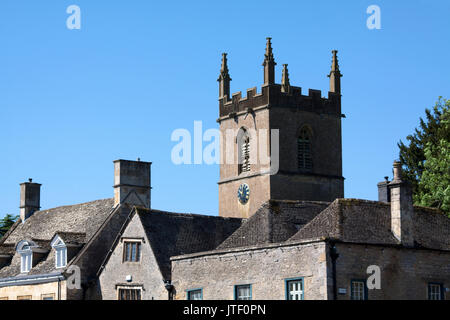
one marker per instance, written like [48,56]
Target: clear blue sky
[72,101]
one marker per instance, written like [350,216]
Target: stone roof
[76,224]
[172,234]
[72,238]
[276,221]
[363,221]
[7,249]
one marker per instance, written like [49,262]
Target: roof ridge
[74,205]
[184,214]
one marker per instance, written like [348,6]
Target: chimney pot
[402,209]
[397,171]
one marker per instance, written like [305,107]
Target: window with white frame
[435,291]
[294,289]
[358,290]
[25,249]
[60,256]
[60,252]
[26,261]
[243,292]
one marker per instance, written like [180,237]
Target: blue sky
[72,101]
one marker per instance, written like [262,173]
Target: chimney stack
[384,193]
[30,199]
[402,210]
[132,183]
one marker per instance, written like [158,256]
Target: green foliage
[6,223]
[426,160]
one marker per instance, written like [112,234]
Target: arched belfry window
[243,140]
[304,145]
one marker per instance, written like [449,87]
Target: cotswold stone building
[288,234]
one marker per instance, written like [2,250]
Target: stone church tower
[310,147]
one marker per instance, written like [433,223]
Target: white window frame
[435,294]
[60,252]
[292,293]
[60,257]
[25,249]
[26,261]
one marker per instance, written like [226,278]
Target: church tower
[304,131]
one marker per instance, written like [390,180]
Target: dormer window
[60,257]
[60,252]
[26,261]
[24,248]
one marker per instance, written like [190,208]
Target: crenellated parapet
[282,95]
[272,96]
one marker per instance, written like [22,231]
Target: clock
[243,193]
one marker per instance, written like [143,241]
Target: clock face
[243,193]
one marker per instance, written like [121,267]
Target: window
[243,292]
[435,291]
[195,294]
[60,257]
[50,296]
[294,289]
[24,298]
[130,294]
[244,151]
[358,290]
[25,249]
[26,261]
[304,150]
[60,252]
[131,251]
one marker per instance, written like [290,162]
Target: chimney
[132,183]
[402,210]
[30,199]
[384,193]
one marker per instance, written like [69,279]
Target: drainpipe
[334,255]
[59,289]
[169,287]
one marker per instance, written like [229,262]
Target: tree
[426,160]
[6,223]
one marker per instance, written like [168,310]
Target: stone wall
[405,273]
[144,273]
[35,291]
[230,179]
[265,268]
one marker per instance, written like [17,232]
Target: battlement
[272,96]
[279,95]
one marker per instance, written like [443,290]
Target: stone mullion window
[129,294]
[304,151]
[132,251]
